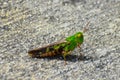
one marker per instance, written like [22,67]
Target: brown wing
[46,50]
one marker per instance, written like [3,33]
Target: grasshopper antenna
[85,28]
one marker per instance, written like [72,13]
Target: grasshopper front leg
[79,45]
[80,48]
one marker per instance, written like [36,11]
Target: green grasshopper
[63,48]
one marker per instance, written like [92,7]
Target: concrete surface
[27,24]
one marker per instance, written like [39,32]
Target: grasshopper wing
[48,50]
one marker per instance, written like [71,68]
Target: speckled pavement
[28,24]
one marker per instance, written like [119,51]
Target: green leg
[64,55]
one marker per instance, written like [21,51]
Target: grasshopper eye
[79,35]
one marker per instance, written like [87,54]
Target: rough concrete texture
[27,24]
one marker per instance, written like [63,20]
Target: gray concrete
[27,24]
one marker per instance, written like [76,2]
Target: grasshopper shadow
[70,58]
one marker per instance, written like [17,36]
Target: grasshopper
[63,48]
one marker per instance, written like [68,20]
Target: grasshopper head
[79,38]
